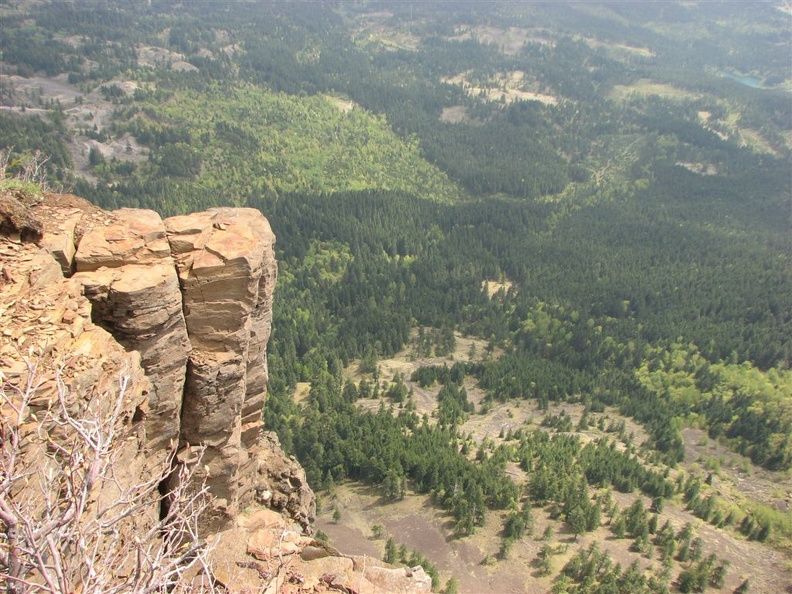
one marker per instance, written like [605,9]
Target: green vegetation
[336,441]
[639,226]
[399,555]
[256,143]
[751,409]
[23,176]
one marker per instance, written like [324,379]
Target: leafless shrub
[72,520]
[25,169]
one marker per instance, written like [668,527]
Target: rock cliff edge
[182,309]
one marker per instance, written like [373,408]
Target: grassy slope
[298,144]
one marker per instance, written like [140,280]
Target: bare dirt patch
[405,363]
[505,87]
[735,473]
[466,348]
[729,128]
[86,111]
[501,418]
[343,105]
[417,524]
[375,27]
[455,114]
[753,139]
[699,168]
[646,86]
[619,49]
[395,40]
[152,56]
[301,392]
[40,89]
[493,287]
[508,41]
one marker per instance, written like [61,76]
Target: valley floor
[417,523]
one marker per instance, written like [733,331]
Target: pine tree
[390,552]
[577,521]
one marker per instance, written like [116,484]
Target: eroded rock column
[125,267]
[226,269]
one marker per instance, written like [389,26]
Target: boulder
[279,482]
[130,236]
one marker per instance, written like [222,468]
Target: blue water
[748,81]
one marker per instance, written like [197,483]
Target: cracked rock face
[226,267]
[183,307]
[141,305]
[131,236]
[193,296]
[127,272]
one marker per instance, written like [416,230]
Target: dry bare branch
[71,520]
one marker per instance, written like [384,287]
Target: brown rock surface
[141,306]
[128,274]
[279,559]
[47,337]
[59,239]
[65,218]
[400,579]
[17,220]
[198,290]
[130,236]
[226,267]
[185,313]
[280,482]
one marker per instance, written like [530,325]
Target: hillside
[533,260]
[483,562]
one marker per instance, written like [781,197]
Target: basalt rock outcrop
[226,268]
[181,308]
[127,272]
[190,298]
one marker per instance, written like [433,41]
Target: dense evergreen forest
[621,170]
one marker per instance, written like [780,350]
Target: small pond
[748,81]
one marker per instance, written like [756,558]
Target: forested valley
[596,198]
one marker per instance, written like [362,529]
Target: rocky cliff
[181,309]
[193,295]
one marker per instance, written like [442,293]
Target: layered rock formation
[191,296]
[227,273]
[129,276]
[182,309]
